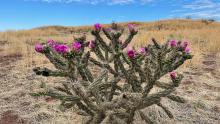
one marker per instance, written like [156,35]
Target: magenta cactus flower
[76,46]
[56,47]
[108,29]
[142,50]
[91,44]
[131,53]
[38,48]
[173,75]
[50,42]
[61,48]
[187,50]
[173,43]
[131,27]
[98,27]
[184,44]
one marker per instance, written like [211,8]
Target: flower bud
[173,75]
[187,50]
[142,50]
[76,46]
[50,42]
[131,53]
[61,48]
[108,29]
[98,27]
[38,48]
[131,27]
[184,44]
[91,44]
[173,43]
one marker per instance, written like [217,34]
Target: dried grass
[203,37]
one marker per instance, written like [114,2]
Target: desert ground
[200,86]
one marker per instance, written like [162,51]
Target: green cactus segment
[56,96]
[47,72]
[176,98]
[109,84]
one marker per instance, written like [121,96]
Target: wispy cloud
[61,1]
[94,2]
[201,4]
[193,8]
[200,9]
[121,2]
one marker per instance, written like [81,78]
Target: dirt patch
[3,42]
[209,62]
[200,88]
[11,117]
[6,63]
[6,60]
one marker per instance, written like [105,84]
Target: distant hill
[174,24]
[162,25]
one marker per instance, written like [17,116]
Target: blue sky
[26,14]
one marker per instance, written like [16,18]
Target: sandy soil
[200,87]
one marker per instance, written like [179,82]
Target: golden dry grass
[203,37]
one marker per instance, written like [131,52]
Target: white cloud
[201,9]
[205,14]
[202,4]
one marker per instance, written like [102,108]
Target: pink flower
[38,48]
[91,44]
[187,50]
[108,29]
[76,46]
[131,27]
[98,27]
[142,50]
[173,43]
[131,53]
[173,75]
[61,48]
[184,44]
[50,42]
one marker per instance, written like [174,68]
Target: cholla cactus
[123,86]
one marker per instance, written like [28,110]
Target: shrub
[207,21]
[127,76]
